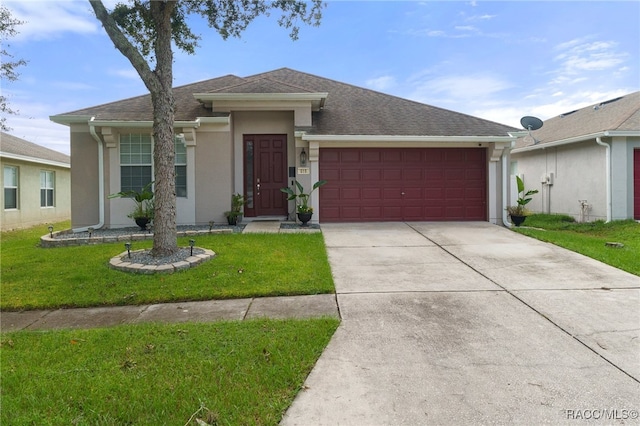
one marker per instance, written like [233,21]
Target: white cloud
[580,55]
[381,83]
[452,88]
[128,73]
[45,20]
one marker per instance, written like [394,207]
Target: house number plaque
[303,170]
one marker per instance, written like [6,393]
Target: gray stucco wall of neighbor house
[622,176]
[578,174]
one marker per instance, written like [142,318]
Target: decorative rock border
[118,263]
[47,241]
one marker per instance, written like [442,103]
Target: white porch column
[314,170]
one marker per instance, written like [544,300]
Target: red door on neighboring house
[636,184]
[403,184]
[265,172]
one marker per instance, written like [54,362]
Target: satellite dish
[531,123]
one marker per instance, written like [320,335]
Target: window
[135,162]
[181,168]
[10,187]
[47,185]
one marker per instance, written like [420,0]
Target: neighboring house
[36,182]
[385,158]
[585,163]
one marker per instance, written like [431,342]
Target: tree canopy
[8,64]
[144,30]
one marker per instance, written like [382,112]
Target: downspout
[503,159]
[608,174]
[100,224]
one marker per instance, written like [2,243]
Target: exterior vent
[568,113]
[610,101]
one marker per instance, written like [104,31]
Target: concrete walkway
[470,323]
[207,311]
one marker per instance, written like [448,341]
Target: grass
[246,265]
[226,373]
[589,238]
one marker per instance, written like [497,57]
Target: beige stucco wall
[578,174]
[214,168]
[29,212]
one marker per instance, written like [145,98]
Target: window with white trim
[181,167]
[47,188]
[136,163]
[10,187]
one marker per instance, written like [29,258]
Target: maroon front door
[265,172]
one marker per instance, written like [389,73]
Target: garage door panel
[392,174]
[371,212]
[438,184]
[636,184]
[371,193]
[350,156]
[371,157]
[329,195]
[410,175]
[351,194]
[350,175]
[391,156]
[372,175]
[392,193]
[332,175]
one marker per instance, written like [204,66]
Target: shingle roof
[348,109]
[10,144]
[619,114]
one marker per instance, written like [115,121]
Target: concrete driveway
[468,323]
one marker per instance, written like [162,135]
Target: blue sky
[496,60]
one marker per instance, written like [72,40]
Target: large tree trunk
[165,240]
[160,83]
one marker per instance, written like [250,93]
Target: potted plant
[143,211]
[518,212]
[303,209]
[234,216]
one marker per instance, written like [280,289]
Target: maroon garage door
[636,183]
[406,184]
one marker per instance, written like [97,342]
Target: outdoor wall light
[90,230]
[128,247]
[51,231]
[191,244]
[303,158]
[211,225]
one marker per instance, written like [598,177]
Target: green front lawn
[227,373]
[246,265]
[589,238]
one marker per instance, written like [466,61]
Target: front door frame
[252,186]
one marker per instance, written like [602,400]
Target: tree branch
[121,43]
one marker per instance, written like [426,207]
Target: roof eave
[19,157]
[402,138]
[317,99]
[68,120]
[577,139]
